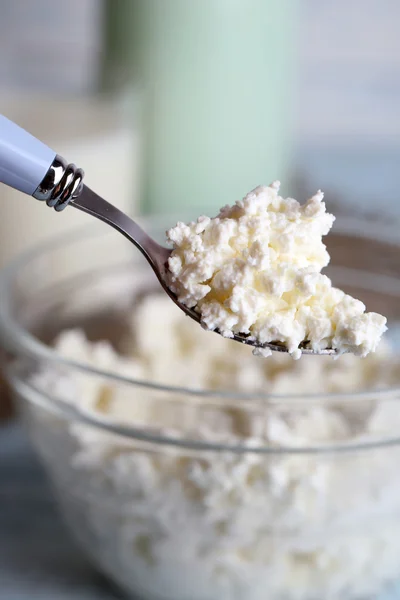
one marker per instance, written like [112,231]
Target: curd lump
[256,269]
[172,523]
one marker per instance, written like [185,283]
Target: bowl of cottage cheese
[186,467]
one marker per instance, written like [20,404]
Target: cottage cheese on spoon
[256,269]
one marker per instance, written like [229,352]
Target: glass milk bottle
[214,80]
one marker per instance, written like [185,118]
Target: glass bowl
[192,493]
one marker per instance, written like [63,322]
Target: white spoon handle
[24,160]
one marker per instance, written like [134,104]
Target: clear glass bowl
[171,514]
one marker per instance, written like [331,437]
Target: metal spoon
[29,166]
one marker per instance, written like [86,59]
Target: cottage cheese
[176,524]
[256,269]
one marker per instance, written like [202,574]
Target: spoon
[29,166]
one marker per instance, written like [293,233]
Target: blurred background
[181,106]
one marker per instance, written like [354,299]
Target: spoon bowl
[157,256]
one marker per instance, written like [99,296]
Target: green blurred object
[117,45]
[214,79]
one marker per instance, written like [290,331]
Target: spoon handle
[31,167]
[24,160]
